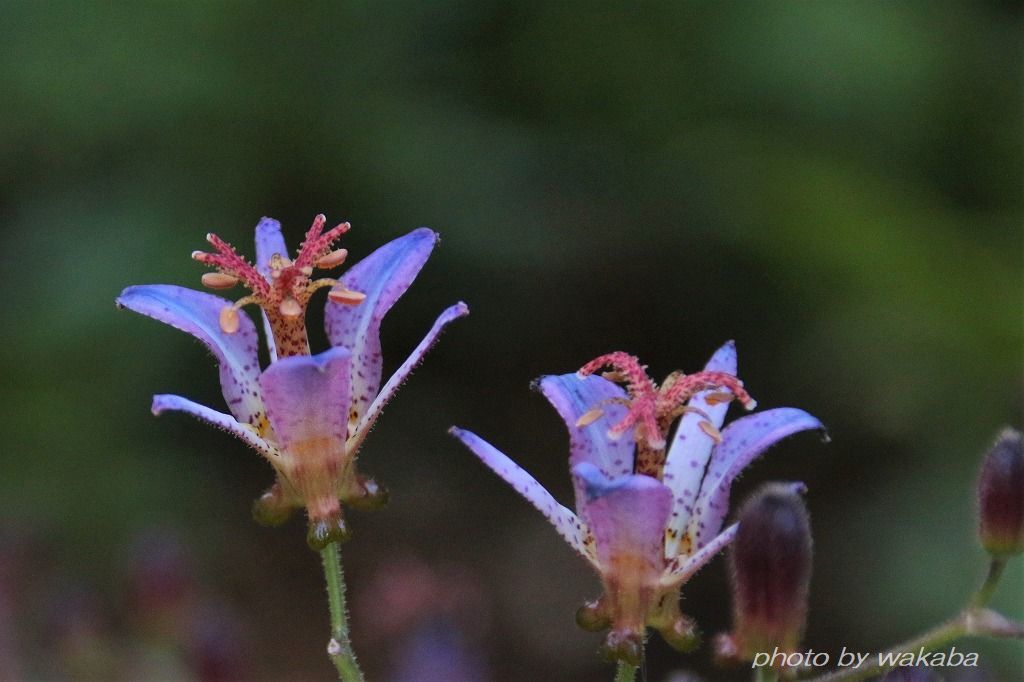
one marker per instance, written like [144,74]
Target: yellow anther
[333,259]
[229,319]
[218,280]
[346,296]
[709,428]
[290,308]
[589,417]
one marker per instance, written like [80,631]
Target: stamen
[333,259]
[589,417]
[718,397]
[346,296]
[229,319]
[709,428]
[290,307]
[218,280]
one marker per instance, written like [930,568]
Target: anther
[333,259]
[589,417]
[346,296]
[290,308]
[218,280]
[229,319]
[714,433]
[718,397]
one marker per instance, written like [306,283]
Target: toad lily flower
[306,414]
[647,520]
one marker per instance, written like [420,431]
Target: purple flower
[647,519]
[306,414]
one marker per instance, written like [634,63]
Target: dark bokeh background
[837,185]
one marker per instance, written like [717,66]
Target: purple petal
[244,432]
[269,241]
[307,399]
[573,396]
[383,276]
[742,441]
[456,311]
[691,447]
[563,519]
[198,314]
[626,516]
[683,568]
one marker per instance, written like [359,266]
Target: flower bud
[1001,496]
[771,570]
[593,616]
[623,645]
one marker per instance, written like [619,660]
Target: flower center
[653,408]
[285,292]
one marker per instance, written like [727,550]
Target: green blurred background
[836,185]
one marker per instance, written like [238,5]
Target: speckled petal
[383,276]
[307,399]
[563,519]
[573,396]
[453,313]
[626,516]
[742,441]
[682,568]
[269,241]
[244,432]
[198,314]
[690,450]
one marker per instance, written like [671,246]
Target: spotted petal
[451,314]
[198,314]
[269,241]
[682,568]
[383,276]
[307,399]
[244,432]
[742,441]
[563,519]
[690,450]
[626,516]
[572,397]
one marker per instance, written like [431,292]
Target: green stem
[339,649]
[973,620]
[625,672]
[988,588]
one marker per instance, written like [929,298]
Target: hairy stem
[975,619]
[625,672]
[339,649]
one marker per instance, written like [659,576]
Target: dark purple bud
[771,570]
[1001,496]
